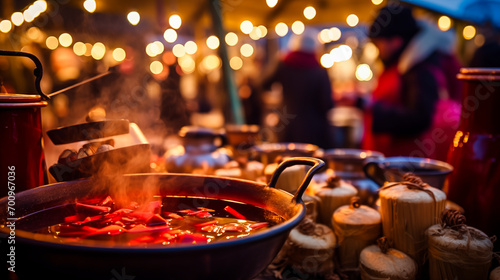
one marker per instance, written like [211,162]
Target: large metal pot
[38,256]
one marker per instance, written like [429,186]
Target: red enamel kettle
[22,163]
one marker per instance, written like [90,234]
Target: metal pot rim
[44,240]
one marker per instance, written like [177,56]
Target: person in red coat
[415,106]
[307,94]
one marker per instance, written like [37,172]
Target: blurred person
[307,93]
[415,106]
[173,108]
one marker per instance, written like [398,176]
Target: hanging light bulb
[90,6]
[444,23]
[65,40]
[170,35]
[5,25]
[246,50]
[79,48]
[175,21]
[213,42]
[51,42]
[133,17]
[246,26]
[309,12]
[298,27]
[271,3]
[190,47]
[119,54]
[352,20]
[281,29]
[98,51]
[231,39]
[469,32]
[17,18]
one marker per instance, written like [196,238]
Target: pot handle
[38,72]
[374,171]
[316,164]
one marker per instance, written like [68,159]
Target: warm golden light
[175,21]
[334,34]
[65,40]
[158,47]
[149,50]
[324,36]
[33,11]
[17,18]
[211,62]
[444,23]
[469,32]
[40,6]
[133,17]
[156,67]
[231,39]
[155,48]
[281,29]
[263,30]
[246,27]
[187,64]
[326,60]
[479,40]
[5,25]
[90,6]
[28,15]
[370,51]
[236,63]
[170,35]
[35,34]
[341,53]
[98,51]
[271,3]
[363,72]
[246,50]
[213,42]
[190,47]
[52,42]
[88,49]
[377,2]
[256,33]
[178,50]
[298,27]
[309,12]
[119,54]
[168,58]
[352,20]
[79,48]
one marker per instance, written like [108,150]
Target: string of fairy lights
[184,53]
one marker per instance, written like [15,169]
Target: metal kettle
[22,164]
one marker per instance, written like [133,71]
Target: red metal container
[22,163]
[475,151]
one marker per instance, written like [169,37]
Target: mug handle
[223,139]
[375,172]
[316,164]
[38,71]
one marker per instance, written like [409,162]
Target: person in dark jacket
[307,94]
[415,106]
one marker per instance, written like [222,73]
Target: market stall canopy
[480,12]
